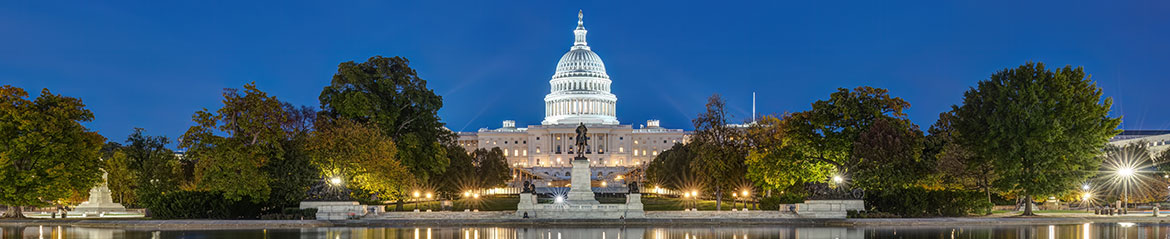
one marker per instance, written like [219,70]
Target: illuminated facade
[579,93]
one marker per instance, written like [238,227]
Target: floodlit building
[1157,140]
[579,94]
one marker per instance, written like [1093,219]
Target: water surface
[1082,231]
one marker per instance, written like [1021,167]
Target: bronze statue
[582,140]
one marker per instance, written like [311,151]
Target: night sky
[151,64]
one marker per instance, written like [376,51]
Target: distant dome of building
[580,62]
[579,90]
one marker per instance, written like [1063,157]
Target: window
[537,138]
[525,152]
[621,149]
[621,138]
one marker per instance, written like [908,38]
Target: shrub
[921,202]
[196,204]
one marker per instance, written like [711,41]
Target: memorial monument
[100,200]
[579,203]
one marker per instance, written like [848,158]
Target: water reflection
[1082,231]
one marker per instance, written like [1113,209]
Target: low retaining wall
[446,215]
[335,210]
[717,214]
[828,208]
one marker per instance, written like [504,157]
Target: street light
[746,198]
[838,179]
[734,199]
[1126,173]
[336,181]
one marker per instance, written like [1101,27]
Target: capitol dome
[580,62]
[580,87]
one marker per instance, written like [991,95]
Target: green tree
[773,161]
[151,165]
[45,153]
[360,155]
[664,169]
[460,173]
[121,179]
[719,149]
[955,166]
[491,167]
[387,93]
[836,137]
[252,137]
[1041,129]
[890,155]
[291,175]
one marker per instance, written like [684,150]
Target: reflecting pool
[1088,230]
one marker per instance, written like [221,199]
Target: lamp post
[746,197]
[1126,173]
[429,196]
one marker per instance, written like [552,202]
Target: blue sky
[151,64]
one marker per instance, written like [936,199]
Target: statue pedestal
[634,206]
[99,202]
[581,190]
[527,206]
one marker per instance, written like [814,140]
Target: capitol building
[579,94]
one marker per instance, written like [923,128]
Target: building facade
[1157,140]
[579,94]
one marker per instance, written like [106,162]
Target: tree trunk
[992,205]
[1028,206]
[398,206]
[718,199]
[15,212]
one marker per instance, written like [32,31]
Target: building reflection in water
[1080,231]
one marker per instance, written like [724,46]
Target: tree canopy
[45,153]
[242,148]
[360,155]
[1041,129]
[861,135]
[387,93]
[719,149]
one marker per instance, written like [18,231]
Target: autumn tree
[45,153]
[1041,129]
[387,93]
[361,156]
[719,149]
